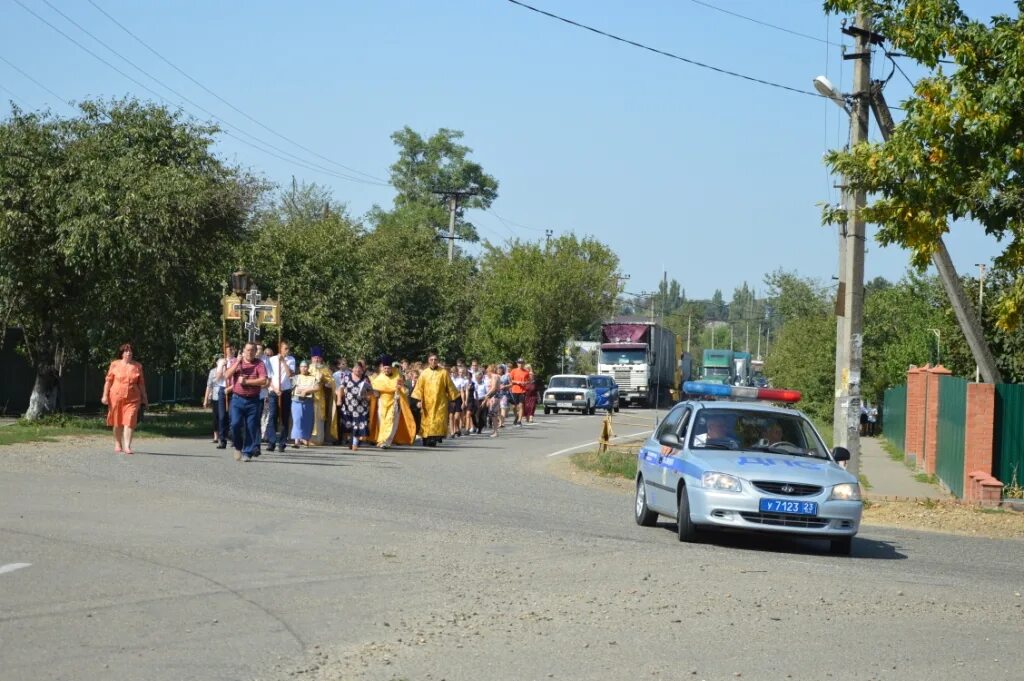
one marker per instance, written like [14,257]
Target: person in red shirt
[246,377]
[519,380]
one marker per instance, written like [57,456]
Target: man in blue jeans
[247,377]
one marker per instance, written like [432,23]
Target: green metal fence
[949,454]
[1009,427]
[894,416]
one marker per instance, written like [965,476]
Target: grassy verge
[616,462]
[160,422]
[929,479]
[864,482]
[825,429]
[892,450]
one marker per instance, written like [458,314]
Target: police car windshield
[568,382]
[761,431]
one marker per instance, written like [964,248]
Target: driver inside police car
[719,428]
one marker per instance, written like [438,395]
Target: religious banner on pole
[272,316]
[230,307]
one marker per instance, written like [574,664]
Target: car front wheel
[842,546]
[644,515]
[547,410]
[684,525]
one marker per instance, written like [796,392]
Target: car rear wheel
[684,525]
[644,515]
[842,546]
[547,410]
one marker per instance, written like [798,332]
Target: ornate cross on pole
[250,308]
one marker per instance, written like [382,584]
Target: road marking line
[11,567]
[590,444]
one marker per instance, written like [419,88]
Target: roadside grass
[825,429]
[892,450]
[928,479]
[617,462]
[864,482]
[158,422]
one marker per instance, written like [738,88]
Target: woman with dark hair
[124,392]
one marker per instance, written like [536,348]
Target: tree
[114,227]
[958,152]
[533,298]
[305,249]
[802,357]
[791,296]
[439,163]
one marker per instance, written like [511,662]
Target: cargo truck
[741,369]
[718,367]
[640,356]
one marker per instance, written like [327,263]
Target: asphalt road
[471,561]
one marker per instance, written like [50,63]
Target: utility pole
[759,341]
[981,306]
[689,322]
[453,196]
[731,347]
[969,320]
[547,238]
[746,343]
[849,342]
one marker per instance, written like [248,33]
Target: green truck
[718,367]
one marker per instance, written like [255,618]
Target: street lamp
[825,88]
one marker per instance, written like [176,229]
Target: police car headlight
[721,482]
[580,396]
[848,491]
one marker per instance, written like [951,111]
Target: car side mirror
[670,440]
[841,454]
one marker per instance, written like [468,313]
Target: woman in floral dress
[354,398]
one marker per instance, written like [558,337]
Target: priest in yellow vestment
[323,399]
[434,390]
[393,423]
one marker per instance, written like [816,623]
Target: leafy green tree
[791,296]
[958,152]
[413,300]
[114,227]
[305,250]
[532,298]
[439,163]
[802,357]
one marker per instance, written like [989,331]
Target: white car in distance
[571,392]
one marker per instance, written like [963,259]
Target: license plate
[786,506]
[563,404]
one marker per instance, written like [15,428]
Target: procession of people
[264,396]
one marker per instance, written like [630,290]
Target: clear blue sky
[713,178]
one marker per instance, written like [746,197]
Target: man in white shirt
[280,369]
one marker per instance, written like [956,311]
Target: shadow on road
[863,547]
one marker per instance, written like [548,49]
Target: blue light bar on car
[740,392]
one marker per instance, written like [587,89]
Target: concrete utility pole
[453,197]
[849,342]
[689,322]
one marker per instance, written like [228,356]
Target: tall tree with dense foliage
[114,226]
[959,150]
[439,163]
[533,298]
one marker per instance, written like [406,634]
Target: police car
[724,461]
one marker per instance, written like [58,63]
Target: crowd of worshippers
[264,396]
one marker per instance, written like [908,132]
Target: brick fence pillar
[913,445]
[979,439]
[931,422]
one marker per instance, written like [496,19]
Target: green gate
[894,416]
[949,450]
[1009,427]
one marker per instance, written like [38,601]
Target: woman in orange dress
[124,392]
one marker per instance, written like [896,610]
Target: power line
[15,97]
[512,222]
[297,161]
[226,102]
[36,82]
[761,23]
[663,53]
